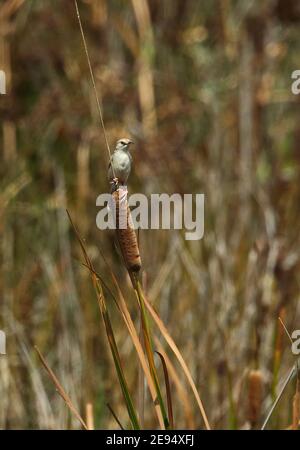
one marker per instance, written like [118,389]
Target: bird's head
[123,144]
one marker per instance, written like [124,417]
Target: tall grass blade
[109,333]
[115,416]
[60,389]
[149,349]
[181,361]
[168,390]
[122,307]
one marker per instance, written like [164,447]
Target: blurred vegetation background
[204,90]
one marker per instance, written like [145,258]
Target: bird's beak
[130,142]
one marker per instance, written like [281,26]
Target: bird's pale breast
[121,163]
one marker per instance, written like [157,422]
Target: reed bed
[190,335]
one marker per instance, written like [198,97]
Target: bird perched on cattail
[118,172]
[120,163]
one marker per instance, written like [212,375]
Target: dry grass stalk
[115,416]
[9,8]
[255,397]
[126,235]
[99,12]
[139,349]
[60,389]
[145,73]
[89,411]
[179,386]
[133,333]
[168,389]
[279,343]
[296,407]
[180,359]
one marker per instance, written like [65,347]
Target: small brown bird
[120,164]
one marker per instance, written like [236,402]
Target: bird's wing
[130,158]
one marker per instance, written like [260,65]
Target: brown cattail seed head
[126,233]
[255,396]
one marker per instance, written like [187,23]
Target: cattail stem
[149,347]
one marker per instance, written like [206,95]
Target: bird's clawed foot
[115,182]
